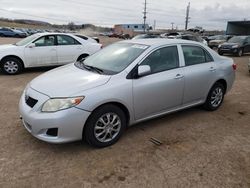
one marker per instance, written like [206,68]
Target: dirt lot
[200,148]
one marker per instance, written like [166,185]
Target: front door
[163,88]
[43,53]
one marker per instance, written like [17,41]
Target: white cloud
[209,14]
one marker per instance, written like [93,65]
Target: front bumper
[228,50]
[69,123]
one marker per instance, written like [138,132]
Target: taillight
[234,66]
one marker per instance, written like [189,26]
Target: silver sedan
[97,98]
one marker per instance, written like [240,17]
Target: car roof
[159,41]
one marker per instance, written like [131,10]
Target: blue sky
[210,14]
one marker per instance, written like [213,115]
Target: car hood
[7,47]
[217,41]
[67,81]
[230,44]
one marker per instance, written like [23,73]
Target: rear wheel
[215,97]
[83,56]
[11,65]
[105,126]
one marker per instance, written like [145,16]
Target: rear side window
[66,40]
[163,59]
[195,55]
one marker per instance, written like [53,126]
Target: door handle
[212,69]
[179,76]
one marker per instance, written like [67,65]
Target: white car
[45,49]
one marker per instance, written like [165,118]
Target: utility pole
[187,16]
[145,16]
[154,24]
[172,26]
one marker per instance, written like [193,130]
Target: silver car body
[143,98]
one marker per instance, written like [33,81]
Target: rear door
[68,49]
[200,73]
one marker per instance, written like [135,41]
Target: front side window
[194,55]
[45,41]
[163,59]
[66,40]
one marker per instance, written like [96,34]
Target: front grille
[226,47]
[30,101]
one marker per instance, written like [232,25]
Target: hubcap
[107,127]
[216,97]
[11,67]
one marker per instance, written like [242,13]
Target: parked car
[218,40]
[6,32]
[193,38]
[92,39]
[125,83]
[237,45]
[146,36]
[47,49]
[124,36]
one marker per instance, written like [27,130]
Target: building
[130,29]
[238,28]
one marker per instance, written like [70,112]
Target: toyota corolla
[97,98]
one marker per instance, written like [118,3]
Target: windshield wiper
[89,67]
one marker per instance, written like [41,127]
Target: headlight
[219,46]
[235,46]
[53,105]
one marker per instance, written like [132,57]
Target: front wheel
[220,53]
[11,66]
[240,53]
[105,126]
[215,97]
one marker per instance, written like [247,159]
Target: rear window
[194,55]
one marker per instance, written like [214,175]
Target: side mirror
[31,45]
[144,70]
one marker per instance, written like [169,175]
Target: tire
[98,132]
[240,52]
[11,66]
[215,97]
[1,35]
[82,57]
[220,53]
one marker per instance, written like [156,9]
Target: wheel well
[13,56]
[223,82]
[82,56]
[121,106]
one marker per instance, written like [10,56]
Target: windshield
[26,41]
[237,39]
[115,58]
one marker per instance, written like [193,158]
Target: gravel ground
[200,148]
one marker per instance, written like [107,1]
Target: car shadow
[156,123]
[32,70]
